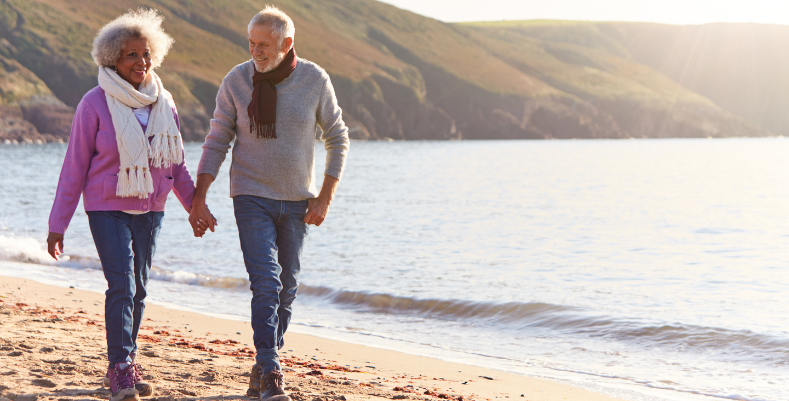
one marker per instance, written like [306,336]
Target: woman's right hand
[55,244]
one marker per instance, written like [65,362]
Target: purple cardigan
[91,168]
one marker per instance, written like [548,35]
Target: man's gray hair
[144,23]
[281,25]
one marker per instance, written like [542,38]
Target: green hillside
[397,74]
[595,62]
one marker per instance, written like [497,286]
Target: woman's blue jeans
[272,234]
[126,244]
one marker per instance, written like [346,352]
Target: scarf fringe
[133,184]
[123,182]
[175,149]
[165,150]
[155,154]
[265,130]
[135,181]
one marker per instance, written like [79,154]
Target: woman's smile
[135,61]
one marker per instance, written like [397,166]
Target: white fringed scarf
[165,149]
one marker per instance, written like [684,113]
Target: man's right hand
[200,217]
[55,245]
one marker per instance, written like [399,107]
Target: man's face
[263,48]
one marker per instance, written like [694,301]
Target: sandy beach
[53,348]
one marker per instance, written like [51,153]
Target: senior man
[271,106]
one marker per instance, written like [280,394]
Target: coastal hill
[403,76]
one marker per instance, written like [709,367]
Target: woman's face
[135,61]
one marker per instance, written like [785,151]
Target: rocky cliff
[397,74]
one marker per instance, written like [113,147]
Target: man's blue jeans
[272,234]
[126,244]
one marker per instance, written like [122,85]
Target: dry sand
[52,347]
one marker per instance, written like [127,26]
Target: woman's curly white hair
[143,23]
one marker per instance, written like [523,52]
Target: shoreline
[29,141]
[371,371]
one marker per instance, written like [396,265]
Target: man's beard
[272,64]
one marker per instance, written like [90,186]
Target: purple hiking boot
[121,381]
[143,388]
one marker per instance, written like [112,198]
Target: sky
[680,12]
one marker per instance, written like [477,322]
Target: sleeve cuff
[58,229]
[334,172]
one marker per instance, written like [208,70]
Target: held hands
[55,245]
[201,220]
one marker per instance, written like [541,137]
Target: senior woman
[124,156]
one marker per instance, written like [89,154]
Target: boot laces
[124,378]
[273,380]
[137,370]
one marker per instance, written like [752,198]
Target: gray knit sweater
[280,168]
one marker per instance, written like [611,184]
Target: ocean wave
[30,250]
[566,319]
[510,312]
[204,280]
[25,250]
[503,315]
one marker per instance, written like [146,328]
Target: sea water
[645,269]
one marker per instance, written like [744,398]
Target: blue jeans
[272,234]
[126,244]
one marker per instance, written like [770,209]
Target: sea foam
[26,250]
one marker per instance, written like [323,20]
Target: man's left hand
[317,209]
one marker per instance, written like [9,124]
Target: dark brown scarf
[262,110]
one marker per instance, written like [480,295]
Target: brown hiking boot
[254,381]
[272,386]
